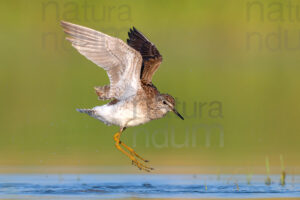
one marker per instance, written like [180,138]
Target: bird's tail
[90,112]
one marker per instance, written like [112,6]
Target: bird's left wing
[151,56]
[121,62]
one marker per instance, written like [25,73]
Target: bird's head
[167,103]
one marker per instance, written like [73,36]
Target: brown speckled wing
[151,56]
[121,62]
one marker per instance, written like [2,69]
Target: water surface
[98,186]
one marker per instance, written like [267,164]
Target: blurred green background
[232,65]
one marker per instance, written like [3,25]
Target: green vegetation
[283,173]
[268,180]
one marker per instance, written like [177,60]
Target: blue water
[98,186]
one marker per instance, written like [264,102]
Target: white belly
[120,115]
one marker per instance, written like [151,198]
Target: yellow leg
[133,152]
[132,158]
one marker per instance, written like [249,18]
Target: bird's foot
[141,166]
[132,154]
[135,161]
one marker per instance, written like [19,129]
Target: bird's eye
[164,102]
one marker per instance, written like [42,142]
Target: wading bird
[130,67]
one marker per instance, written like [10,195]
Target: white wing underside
[121,62]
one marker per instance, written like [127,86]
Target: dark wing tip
[150,54]
[141,44]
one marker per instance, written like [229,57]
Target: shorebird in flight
[130,67]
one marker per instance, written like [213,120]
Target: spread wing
[151,56]
[121,62]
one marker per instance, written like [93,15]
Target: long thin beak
[177,113]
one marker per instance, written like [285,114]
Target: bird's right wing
[121,62]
